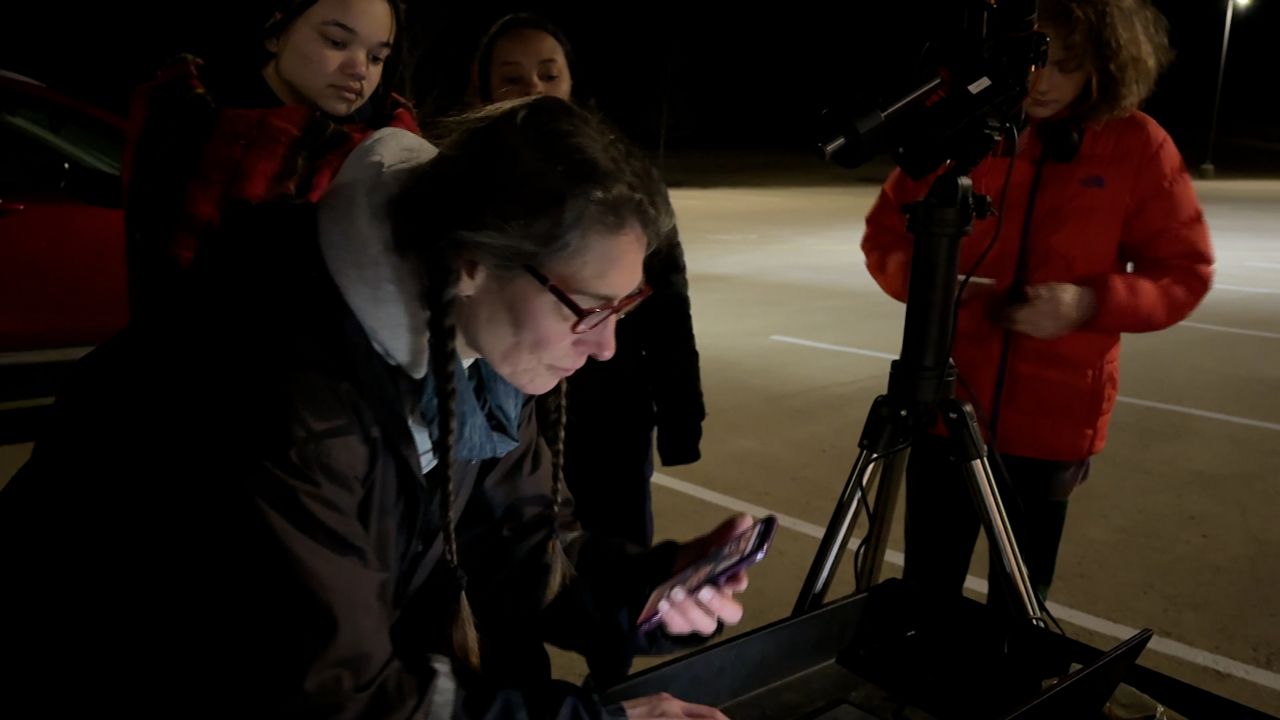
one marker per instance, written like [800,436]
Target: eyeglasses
[590,318]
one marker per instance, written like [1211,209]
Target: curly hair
[1124,44]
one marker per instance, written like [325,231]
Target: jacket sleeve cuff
[679,445]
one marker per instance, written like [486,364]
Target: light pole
[1207,170]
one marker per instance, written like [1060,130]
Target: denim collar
[487,411]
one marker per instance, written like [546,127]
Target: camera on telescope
[974,83]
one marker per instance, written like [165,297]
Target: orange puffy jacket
[1125,198]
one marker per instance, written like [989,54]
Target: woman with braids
[273,121]
[1101,234]
[324,493]
[651,383]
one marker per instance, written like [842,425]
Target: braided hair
[518,183]
[441,338]
[552,415]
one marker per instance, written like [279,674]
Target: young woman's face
[332,56]
[526,333]
[529,62]
[1053,89]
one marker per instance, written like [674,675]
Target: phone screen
[743,550]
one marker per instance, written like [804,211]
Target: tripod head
[978,75]
[923,372]
[951,121]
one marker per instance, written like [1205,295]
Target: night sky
[714,78]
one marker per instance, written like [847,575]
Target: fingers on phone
[736,584]
[689,617]
[719,605]
[722,606]
[741,522]
[675,623]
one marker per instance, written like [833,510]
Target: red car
[62,255]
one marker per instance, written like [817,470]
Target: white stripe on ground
[1240,288]
[1200,413]
[1173,648]
[37,357]
[1131,401]
[1239,331]
[24,404]
[837,348]
[1273,266]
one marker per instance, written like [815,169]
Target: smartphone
[741,552]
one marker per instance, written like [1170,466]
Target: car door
[62,256]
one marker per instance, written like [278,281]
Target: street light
[1207,170]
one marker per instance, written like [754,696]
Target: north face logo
[1093,181]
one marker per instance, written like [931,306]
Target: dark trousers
[608,471]
[608,458]
[942,523]
[608,466]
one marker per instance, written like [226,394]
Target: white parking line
[1200,413]
[1203,658]
[25,404]
[1239,288]
[37,357]
[1132,401]
[1239,331]
[837,348]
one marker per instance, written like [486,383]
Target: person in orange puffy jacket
[275,123]
[1102,234]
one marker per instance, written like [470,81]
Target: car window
[27,166]
[31,167]
[80,138]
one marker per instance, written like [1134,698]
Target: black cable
[1001,473]
[1018,286]
[1044,607]
[1002,370]
[1003,480]
[1011,134]
[990,420]
[860,551]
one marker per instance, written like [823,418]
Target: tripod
[922,388]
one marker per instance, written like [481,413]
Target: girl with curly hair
[1102,234]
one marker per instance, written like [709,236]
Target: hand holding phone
[701,594]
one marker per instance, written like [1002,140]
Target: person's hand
[1051,310]
[666,707]
[699,610]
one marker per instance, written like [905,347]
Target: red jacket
[194,153]
[1125,198]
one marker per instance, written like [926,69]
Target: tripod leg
[836,538]
[893,472]
[972,454]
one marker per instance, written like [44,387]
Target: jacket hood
[356,241]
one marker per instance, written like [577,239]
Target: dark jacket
[653,380]
[228,519]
